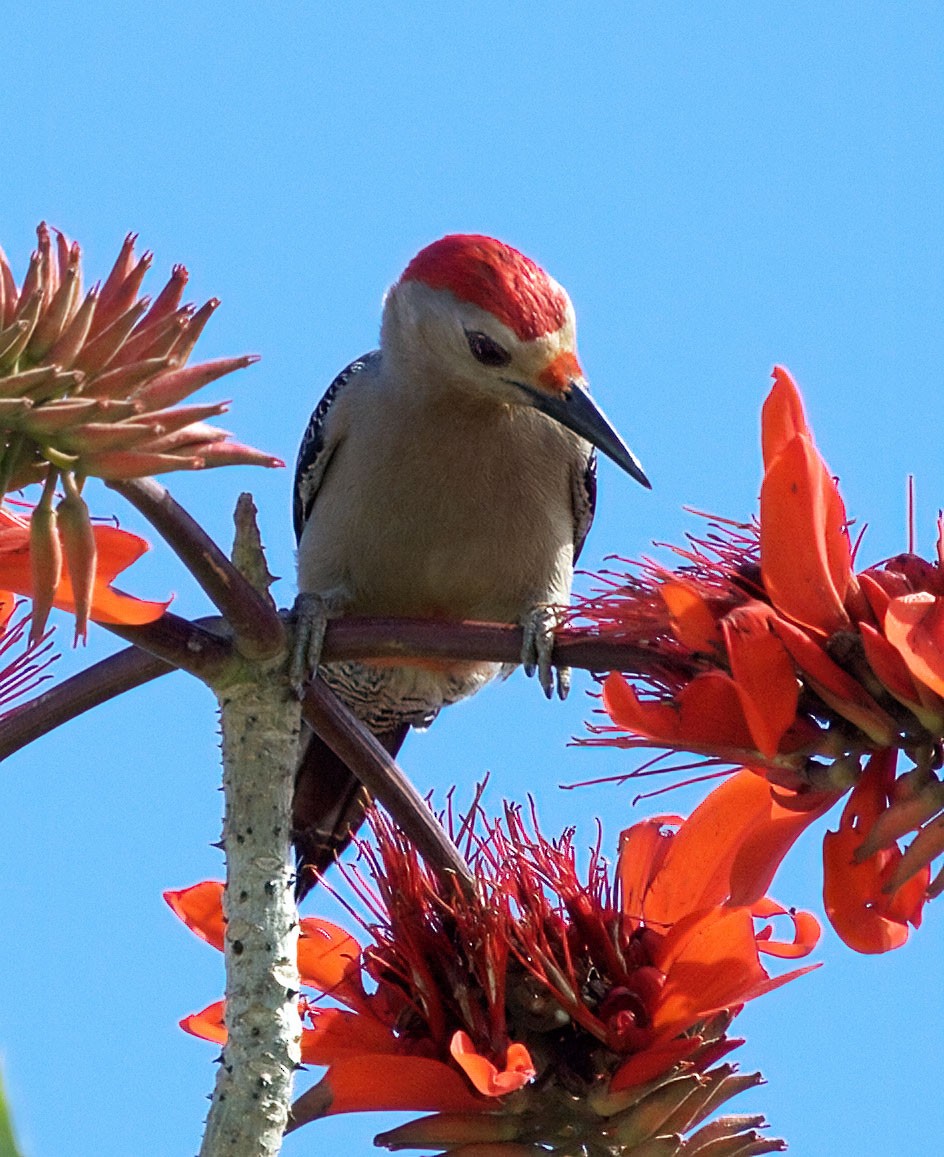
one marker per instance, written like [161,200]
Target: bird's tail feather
[329,806]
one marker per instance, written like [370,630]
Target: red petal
[914,625]
[835,686]
[805,557]
[642,850]
[710,961]
[652,719]
[887,663]
[415,1084]
[730,846]
[782,416]
[329,960]
[339,1033]
[208,1024]
[692,620]
[764,673]
[201,909]
[867,918]
[806,931]
[653,1061]
[116,551]
[488,1080]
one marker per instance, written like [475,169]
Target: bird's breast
[450,512]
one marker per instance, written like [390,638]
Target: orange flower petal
[487,1078]
[914,625]
[707,712]
[329,960]
[208,1024]
[887,663]
[414,1084]
[806,931]
[865,916]
[711,963]
[116,551]
[764,673]
[835,686]
[653,1061]
[337,1033]
[652,719]
[201,909]
[7,607]
[805,557]
[692,620]
[642,850]
[730,846]
[782,416]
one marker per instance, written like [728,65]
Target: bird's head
[477,314]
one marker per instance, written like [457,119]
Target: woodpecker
[449,474]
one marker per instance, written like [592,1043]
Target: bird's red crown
[495,277]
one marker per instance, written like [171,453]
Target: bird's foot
[539,624]
[311,614]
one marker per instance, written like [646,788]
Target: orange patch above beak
[560,372]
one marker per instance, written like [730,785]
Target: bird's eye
[485,350]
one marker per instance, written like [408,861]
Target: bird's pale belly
[488,541]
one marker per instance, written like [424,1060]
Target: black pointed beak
[576,410]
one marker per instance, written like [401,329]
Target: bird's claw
[537,648]
[311,614]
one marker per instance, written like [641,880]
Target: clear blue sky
[720,185]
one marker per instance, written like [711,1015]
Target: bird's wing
[584,484]
[316,449]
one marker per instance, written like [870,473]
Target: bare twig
[257,629]
[350,740]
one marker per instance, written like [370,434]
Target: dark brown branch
[173,643]
[187,645]
[257,629]
[97,684]
[107,679]
[380,774]
[363,638]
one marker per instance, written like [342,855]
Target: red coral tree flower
[766,648]
[543,1000]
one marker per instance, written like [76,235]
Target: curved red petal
[805,556]
[201,909]
[338,1033]
[764,673]
[329,959]
[692,620]
[208,1024]
[782,416]
[116,551]
[414,1084]
[648,718]
[653,1062]
[914,625]
[865,916]
[729,848]
[642,850]
[806,931]
[489,1080]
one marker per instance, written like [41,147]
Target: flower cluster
[91,385]
[766,648]
[539,1005]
